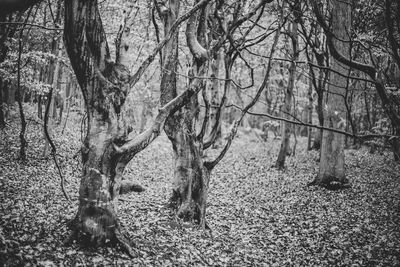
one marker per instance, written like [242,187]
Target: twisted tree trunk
[190,182]
[104,86]
[107,147]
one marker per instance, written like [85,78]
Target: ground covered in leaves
[257,214]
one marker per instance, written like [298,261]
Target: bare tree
[108,145]
[287,106]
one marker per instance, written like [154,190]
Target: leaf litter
[257,214]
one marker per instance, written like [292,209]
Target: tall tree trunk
[23,143]
[2,117]
[104,86]
[174,125]
[39,107]
[215,122]
[107,147]
[331,167]
[190,182]
[319,82]
[12,91]
[53,74]
[309,113]
[287,106]
[7,31]
[52,80]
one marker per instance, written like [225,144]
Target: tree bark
[53,74]
[287,106]
[2,117]
[103,86]
[215,122]
[107,147]
[309,113]
[190,182]
[331,167]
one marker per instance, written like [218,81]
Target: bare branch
[265,83]
[141,141]
[299,122]
[138,74]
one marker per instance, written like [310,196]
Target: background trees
[199,70]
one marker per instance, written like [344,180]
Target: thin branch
[265,84]
[141,141]
[299,122]
[32,25]
[136,77]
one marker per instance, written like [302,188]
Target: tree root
[127,187]
[119,238]
[125,244]
[332,185]
[73,236]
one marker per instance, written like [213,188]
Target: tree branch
[368,69]
[299,122]
[136,77]
[141,141]
[210,165]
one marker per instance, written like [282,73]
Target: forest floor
[258,215]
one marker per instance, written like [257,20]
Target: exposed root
[125,244]
[118,236]
[331,185]
[128,186]
[73,236]
[334,186]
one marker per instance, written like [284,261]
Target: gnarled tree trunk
[107,146]
[190,182]
[103,84]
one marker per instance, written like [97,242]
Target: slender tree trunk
[11,92]
[214,90]
[23,143]
[7,31]
[320,54]
[332,168]
[368,125]
[53,80]
[39,107]
[309,113]
[395,143]
[320,113]
[287,107]
[2,117]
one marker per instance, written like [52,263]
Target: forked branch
[210,165]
